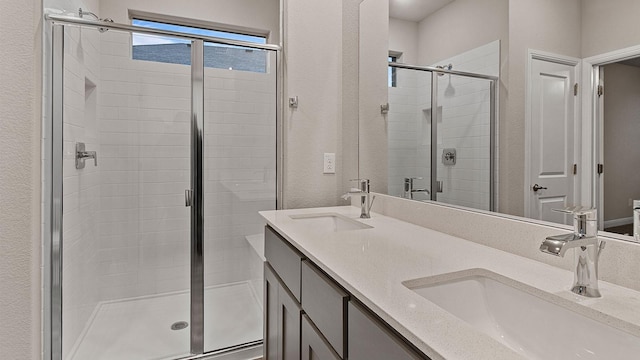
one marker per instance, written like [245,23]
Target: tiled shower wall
[81,188]
[145,112]
[463,124]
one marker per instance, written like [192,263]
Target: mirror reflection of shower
[450,91]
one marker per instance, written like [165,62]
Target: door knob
[537,187]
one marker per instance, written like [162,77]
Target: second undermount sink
[329,222]
[529,324]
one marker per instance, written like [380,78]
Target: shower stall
[442,135]
[156,172]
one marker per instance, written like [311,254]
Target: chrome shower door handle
[188,197]
[82,155]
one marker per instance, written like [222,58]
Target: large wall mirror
[514,106]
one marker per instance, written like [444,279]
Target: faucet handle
[588,213]
[584,219]
[364,184]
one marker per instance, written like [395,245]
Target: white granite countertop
[373,263]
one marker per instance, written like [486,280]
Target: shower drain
[179,325]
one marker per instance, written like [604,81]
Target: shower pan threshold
[140,328]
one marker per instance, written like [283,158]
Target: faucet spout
[366,199]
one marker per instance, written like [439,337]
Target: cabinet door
[326,305]
[289,325]
[314,346]
[369,339]
[271,287]
[282,319]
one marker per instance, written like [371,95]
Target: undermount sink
[532,326]
[329,222]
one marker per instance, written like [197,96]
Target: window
[178,51]
[393,80]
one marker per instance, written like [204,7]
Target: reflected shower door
[239,180]
[409,134]
[125,225]
[464,141]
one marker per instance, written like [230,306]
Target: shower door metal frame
[53,238]
[493,116]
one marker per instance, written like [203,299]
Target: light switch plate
[329,163]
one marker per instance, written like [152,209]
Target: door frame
[53,128]
[593,120]
[558,59]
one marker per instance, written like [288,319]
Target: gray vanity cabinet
[282,319]
[370,339]
[308,315]
[314,346]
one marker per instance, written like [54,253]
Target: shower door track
[53,189]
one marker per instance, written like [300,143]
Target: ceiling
[414,10]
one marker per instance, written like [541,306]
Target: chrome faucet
[366,199]
[409,190]
[585,240]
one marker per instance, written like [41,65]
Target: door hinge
[575,169]
[600,90]
[600,168]
[575,89]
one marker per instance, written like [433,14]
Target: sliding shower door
[163,152]
[239,180]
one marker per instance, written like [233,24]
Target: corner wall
[314,61]
[20,245]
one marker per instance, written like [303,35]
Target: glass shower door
[126,229]
[239,180]
[464,141]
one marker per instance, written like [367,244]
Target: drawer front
[326,305]
[369,339]
[284,259]
[314,346]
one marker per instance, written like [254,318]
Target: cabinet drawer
[326,305]
[284,259]
[370,339]
[314,346]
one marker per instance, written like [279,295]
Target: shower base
[140,328]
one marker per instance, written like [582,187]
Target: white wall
[609,25]
[313,68]
[560,35]
[20,243]
[621,136]
[403,38]
[373,126]
[460,26]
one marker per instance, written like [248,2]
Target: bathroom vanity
[341,287]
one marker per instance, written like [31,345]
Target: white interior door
[551,155]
